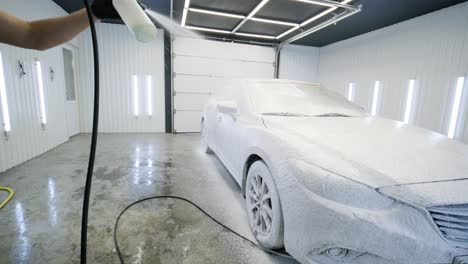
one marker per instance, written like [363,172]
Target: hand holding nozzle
[104,9]
[132,12]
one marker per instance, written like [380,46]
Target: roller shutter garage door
[200,66]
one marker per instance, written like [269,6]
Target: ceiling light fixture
[216,13]
[329,3]
[270,21]
[328,11]
[316,3]
[254,35]
[287,32]
[325,24]
[252,13]
[184,14]
[312,19]
[209,30]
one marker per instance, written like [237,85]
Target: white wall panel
[200,66]
[218,67]
[27,138]
[432,49]
[121,56]
[299,63]
[222,50]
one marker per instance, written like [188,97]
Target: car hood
[378,152]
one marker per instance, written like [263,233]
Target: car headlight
[337,188]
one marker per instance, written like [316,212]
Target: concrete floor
[42,222]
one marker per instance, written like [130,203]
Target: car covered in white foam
[331,184]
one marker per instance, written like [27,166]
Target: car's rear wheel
[264,207]
[205,146]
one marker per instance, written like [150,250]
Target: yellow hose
[9,196]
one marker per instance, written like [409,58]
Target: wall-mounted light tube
[456,107]
[215,13]
[409,102]
[4,100]
[209,29]
[40,87]
[149,95]
[254,35]
[375,98]
[184,13]
[351,91]
[136,106]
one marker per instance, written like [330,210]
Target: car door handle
[220,118]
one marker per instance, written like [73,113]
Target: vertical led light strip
[351,92]
[375,98]
[456,107]
[136,106]
[409,101]
[184,13]
[149,95]
[40,86]
[3,98]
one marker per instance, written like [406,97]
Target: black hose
[116,243]
[92,154]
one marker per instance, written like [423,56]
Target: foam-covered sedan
[334,185]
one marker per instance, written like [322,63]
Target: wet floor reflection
[23,249]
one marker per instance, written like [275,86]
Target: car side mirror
[228,108]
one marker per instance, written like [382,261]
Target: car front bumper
[397,234]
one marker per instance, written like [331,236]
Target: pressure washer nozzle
[136,19]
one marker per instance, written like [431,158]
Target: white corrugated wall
[432,49]
[121,56]
[299,63]
[27,138]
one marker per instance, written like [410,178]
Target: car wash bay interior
[403,60]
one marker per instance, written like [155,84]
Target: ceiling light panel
[216,13]
[287,32]
[185,12]
[251,14]
[254,35]
[313,2]
[205,29]
[271,21]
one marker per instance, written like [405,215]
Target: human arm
[41,34]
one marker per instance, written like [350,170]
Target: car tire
[205,146]
[264,207]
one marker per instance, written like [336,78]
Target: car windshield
[299,99]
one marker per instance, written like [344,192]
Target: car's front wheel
[264,207]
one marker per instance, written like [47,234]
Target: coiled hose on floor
[10,195]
